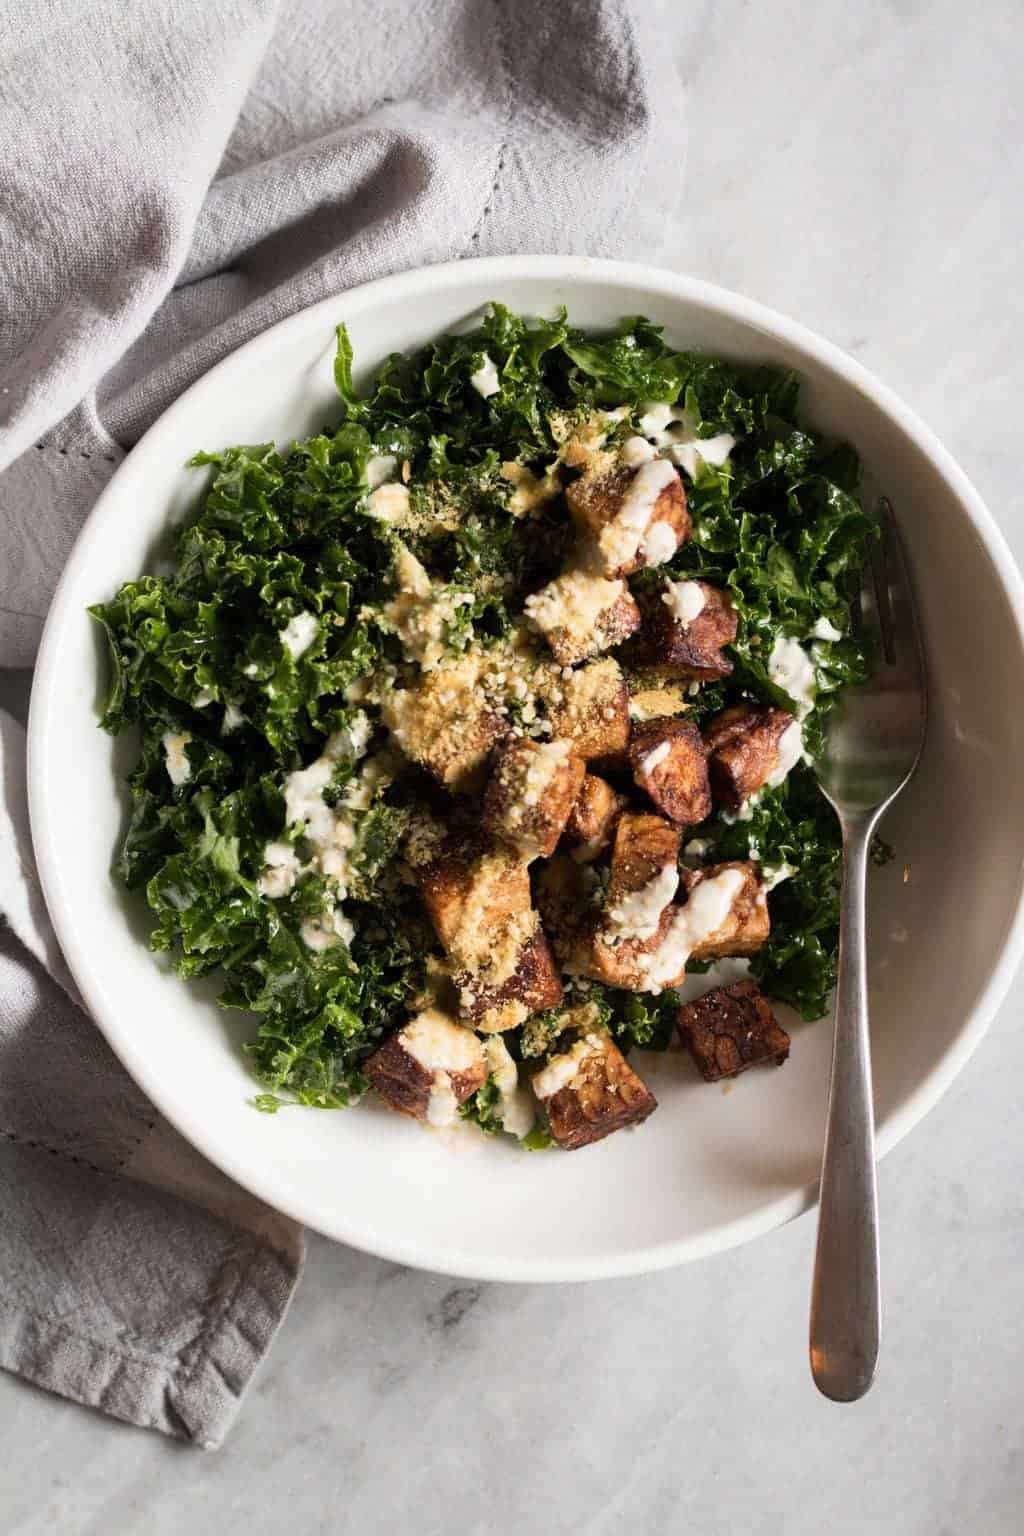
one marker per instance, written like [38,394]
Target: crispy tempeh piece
[743,747]
[478,898]
[532,790]
[730,1029]
[428,1068]
[583,944]
[592,819]
[533,986]
[678,646]
[618,962]
[590,709]
[613,944]
[668,761]
[645,846]
[444,723]
[590,1091]
[581,613]
[563,903]
[747,925]
[634,516]
[470,881]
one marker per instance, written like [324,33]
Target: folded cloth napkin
[134,1276]
[183,173]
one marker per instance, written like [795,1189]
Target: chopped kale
[287,543]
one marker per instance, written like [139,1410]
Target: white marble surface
[859,166]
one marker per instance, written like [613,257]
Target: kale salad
[472,725]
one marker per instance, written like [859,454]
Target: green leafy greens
[282,539]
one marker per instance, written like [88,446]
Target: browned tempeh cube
[604,955]
[634,516]
[590,709]
[581,613]
[445,724]
[479,901]
[593,817]
[730,1029]
[590,1091]
[532,790]
[568,897]
[428,1068]
[743,747]
[668,761]
[564,901]
[533,986]
[676,645]
[612,942]
[473,884]
[746,925]
[729,917]
[644,846]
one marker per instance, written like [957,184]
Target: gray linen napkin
[186,172]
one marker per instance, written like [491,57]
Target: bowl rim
[129,1048]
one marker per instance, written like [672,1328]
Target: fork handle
[845,1304]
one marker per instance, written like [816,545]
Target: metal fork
[873,744]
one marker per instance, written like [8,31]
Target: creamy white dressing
[441,1047]
[654,758]
[376,773]
[203,698]
[515,1107]
[660,543]
[673,431]
[562,1070]
[320,933]
[329,831]
[299,633]
[705,912]
[791,750]
[745,811]
[638,914]
[620,539]
[710,450]
[636,451]
[685,601]
[696,849]
[379,468]
[791,669]
[486,380]
[824,629]
[389,503]
[179,769]
[655,419]
[233,717]
[281,869]
[439,1044]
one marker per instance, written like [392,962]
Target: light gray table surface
[859,166]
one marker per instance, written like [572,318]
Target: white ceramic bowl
[709,1169]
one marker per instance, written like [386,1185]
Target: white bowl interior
[710,1167]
